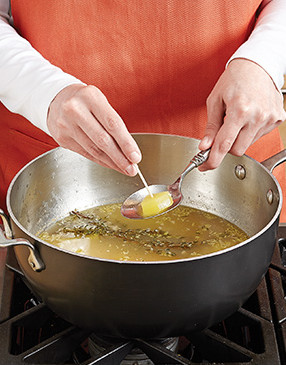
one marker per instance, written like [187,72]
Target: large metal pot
[156,299]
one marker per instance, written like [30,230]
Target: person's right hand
[81,119]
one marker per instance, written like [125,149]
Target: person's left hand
[243,106]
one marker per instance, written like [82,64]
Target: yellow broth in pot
[179,234]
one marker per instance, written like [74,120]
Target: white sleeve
[28,81]
[266,45]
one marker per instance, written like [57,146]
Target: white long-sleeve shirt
[29,82]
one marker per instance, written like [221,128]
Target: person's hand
[243,106]
[81,119]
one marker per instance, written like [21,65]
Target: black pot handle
[34,258]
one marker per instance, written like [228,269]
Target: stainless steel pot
[156,299]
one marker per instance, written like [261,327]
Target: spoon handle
[201,157]
[196,161]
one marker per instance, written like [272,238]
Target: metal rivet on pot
[269,196]
[240,172]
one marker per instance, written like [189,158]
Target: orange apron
[156,61]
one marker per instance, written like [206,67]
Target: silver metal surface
[240,172]
[6,224]
[275,160]
[34,259]
[60,181]
[129,208]
[269,196]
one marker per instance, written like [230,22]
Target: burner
[98,345]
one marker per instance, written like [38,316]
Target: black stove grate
[256,334]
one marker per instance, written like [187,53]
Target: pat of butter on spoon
[142,205]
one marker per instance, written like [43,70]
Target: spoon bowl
[130,207]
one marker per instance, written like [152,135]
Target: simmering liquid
[181,233]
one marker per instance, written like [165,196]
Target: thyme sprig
[159,239]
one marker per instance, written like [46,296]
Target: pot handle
[34,258]
[275,160]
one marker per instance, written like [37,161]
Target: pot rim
[202,257]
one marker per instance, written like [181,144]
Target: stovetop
[32,334]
